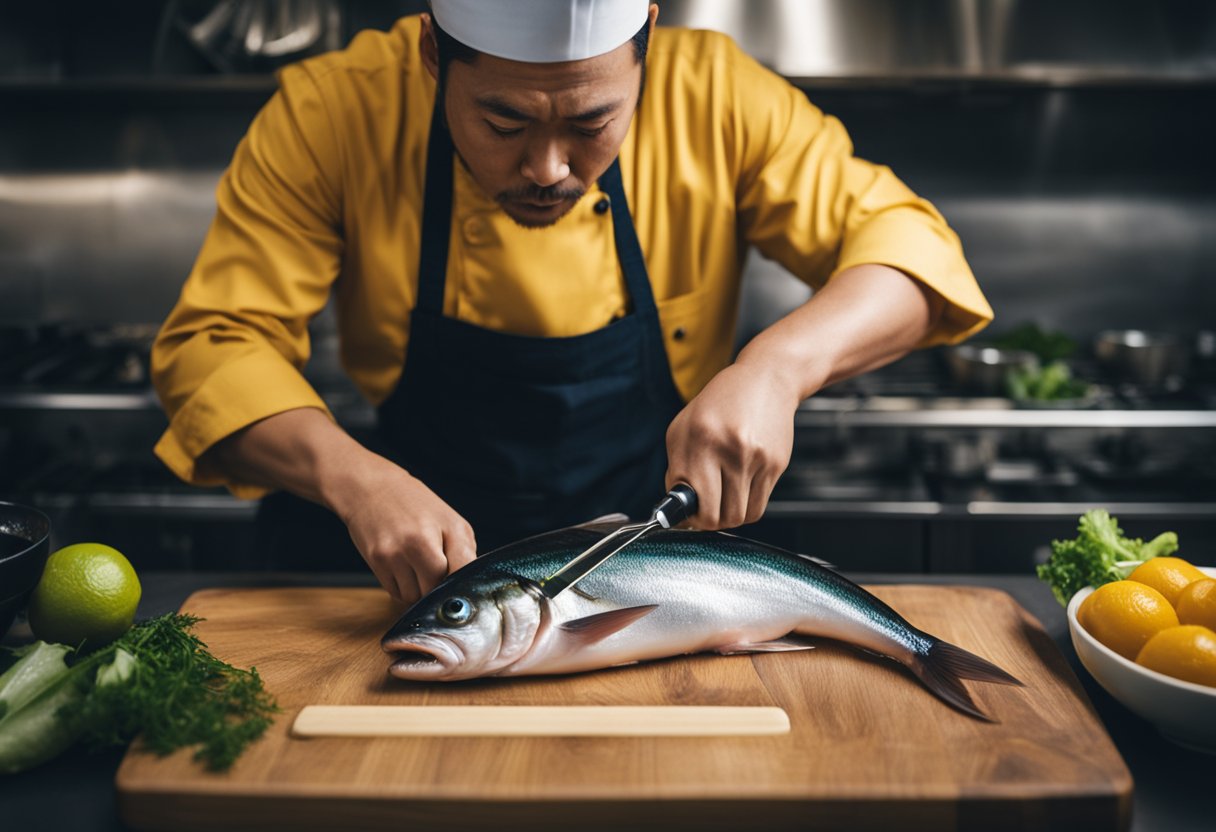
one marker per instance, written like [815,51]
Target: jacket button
[476,231]
[602,206]
[679,333]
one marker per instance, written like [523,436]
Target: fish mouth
[415,658]
[412,656]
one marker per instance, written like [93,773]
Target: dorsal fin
[820,561]
[817,561]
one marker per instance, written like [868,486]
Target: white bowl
[1183,712]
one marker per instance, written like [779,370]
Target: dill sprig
[176,695]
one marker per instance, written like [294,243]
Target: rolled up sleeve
[808,203]
[232,350]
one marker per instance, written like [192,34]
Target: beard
[520,204]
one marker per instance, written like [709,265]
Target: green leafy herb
[179,695]
[1098,555]
[158,680]
[1052,382]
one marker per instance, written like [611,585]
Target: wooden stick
[538,721]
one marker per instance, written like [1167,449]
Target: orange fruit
[1186,652]
[87,595]
[1197,603]
[1124,615]
[1169,576]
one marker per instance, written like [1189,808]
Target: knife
[679,504]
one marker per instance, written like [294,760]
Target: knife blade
[679,504]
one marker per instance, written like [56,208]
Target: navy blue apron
[521,435]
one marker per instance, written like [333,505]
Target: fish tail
[943,667]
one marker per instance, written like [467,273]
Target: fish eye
[455,611]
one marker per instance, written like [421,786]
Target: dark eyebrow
[501,108]
[597,112]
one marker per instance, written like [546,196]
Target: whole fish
[673,592]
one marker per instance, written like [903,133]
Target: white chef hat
[541,31]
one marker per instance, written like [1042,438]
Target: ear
[428,46]
[654,16]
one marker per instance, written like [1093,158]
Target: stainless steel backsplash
[99,247]
[1080,264]
[851,37]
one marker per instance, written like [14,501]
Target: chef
[531,216]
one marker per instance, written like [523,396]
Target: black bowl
[25,542]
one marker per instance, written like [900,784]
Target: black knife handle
[679,504]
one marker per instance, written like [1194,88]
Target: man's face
[535,136]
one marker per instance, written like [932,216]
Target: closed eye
[592,131]
[504,131]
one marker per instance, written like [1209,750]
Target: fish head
[466,628]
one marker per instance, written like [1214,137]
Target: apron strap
[628,249]
[436,216]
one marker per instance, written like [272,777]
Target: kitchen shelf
[156,93]
[202,505]
[815,414]
[979,509]
[822,412]
[126,85]
[139,400]
[1028,78]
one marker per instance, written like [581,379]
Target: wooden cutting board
[869,748]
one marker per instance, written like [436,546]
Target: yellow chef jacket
[324,194]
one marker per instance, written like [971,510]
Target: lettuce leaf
[1098,555]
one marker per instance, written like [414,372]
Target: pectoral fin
[593,628]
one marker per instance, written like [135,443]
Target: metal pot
[981,369]
[1146,359]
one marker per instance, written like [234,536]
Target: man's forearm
[301,451]
[865,317]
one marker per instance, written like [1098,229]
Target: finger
[707,482]
[680,470]
[383,574]
[735,491]
[430,565]
[387,579]
[678,462]
[757,498]
[407,583]
[460,547]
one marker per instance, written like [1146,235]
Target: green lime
[88,594]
